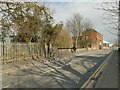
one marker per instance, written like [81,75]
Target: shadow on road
[55,74]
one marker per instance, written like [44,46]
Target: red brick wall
[95,37]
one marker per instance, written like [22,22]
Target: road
[66,73]
[109,78]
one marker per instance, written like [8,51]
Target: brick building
[92,39]
[105,44]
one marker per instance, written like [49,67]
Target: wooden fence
[21,51]
[17,51]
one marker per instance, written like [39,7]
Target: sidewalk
[62,73]
[29,63]
[109,78]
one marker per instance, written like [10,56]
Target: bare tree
[87,24]
[111,15]
[111,12]
[74,25]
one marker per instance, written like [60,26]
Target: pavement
[65,73]
[28,63]
[109,78]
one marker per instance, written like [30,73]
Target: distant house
[106,44]
[92,39]
[111,45]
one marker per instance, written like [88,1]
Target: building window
[86,37]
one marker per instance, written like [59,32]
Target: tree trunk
[48,50]
[76,41]
[45,50]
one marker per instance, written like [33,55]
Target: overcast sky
[64,10]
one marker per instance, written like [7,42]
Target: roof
[106,42]
[92,30]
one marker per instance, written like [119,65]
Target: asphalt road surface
[66,73]
[109,78]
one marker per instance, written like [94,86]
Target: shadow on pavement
[57,74]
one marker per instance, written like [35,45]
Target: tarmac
[109,78]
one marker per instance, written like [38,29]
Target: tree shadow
[61,73]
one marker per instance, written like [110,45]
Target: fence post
[6,53]
[3,51]
[1,58]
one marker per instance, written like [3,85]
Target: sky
[64,10]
